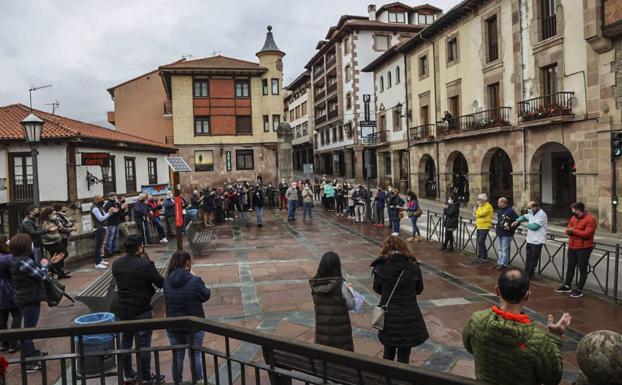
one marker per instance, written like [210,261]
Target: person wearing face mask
[581,229]
[112,224]
[451,211]
[52,242]
[169,214]
[537,223]
[505,232]
[98,221]
[282,191]
[270,192]
[30,226]
[483,220]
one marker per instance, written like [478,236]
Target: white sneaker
[164,240]
[101,266]
[105,263]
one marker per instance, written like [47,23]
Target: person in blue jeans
[184,295]
[505,231]
[112,224]
[394,204]
[414,212]
[258,205]
[292,202]
[307,202]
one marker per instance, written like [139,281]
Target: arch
[496,174]
[398,76]
[457,176]
[427,177]
[381,83]
[553,179]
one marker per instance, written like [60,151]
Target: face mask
[37,215]
[529,211]
[450,201]
[53,217]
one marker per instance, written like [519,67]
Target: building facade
[514,98]
[225,116]
[343,95]
[297,115]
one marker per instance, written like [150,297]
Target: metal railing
[369,140]
[425,131]
[493,51]
[226,365]
[497,117]
[549,27]
[557,104]
[603,268]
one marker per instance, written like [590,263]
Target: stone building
[225,115]
[515,98]
[297,115]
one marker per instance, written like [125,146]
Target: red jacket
[583,230]
[155,208]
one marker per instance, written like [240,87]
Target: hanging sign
[95,158]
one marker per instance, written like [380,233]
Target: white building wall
[4,173]
[390,97]
[52,164]
[304,118]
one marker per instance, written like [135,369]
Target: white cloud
[85,46]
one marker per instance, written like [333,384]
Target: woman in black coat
[451,213]
[404,326]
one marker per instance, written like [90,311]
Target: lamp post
[33,127]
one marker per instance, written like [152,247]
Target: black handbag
[54,291]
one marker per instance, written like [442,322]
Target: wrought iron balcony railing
[557,104]
[497,117]
[425,131]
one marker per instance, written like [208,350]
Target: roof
[60,127]
[218,62]
[303,77]
[396,4]
[270,45]
[111,89]
[426,6]
[386,56]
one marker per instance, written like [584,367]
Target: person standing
[154,208]
[316,189]
[112,224]
[184,295]
[7,294]
[136,278]
[65,225]
[329,195]
[537,223]
[98,221]
[398,281]
[379,202]
[505,232]
[414,212]
[307,202]
[258,205]
[395,204]
[208,207]
[29,226]
[340,199]
[451,213]
[52,242]
[169,214]
[291,197]
[141,213]
[331,301]
[507,347]
[270,192]
[483,221]
[581,229]
[282,194]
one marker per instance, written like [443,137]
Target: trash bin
[95,343]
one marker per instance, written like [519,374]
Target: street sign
[307,168]
[177,163]
[367,123]
[95,158]
[228,160]
[366,98]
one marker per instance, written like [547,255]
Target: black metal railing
[493,51]
[331,60]
[317,71]
[603,268]
[425,131]
[168,107]
[319,95]
[219,366]
[382,137]
[21,189]
[557,104]
[369,139]
[331,88]
[498,117]
[333,114]
[549,27]
[320,119]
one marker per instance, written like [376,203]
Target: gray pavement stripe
[250,299]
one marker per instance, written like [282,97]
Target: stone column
[348,161]
[284,152]
[359,165]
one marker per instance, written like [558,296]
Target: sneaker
[33,367]
[164,240]
[563,289]
[105,263]
[576,293]
[39,353]
[154,380]
[101,266]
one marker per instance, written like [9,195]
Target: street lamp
[33,127]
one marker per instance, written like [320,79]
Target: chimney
[371,9]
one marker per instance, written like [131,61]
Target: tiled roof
[215,63]
[60,127]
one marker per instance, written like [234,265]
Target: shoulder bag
[377,314]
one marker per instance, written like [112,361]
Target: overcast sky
[83,47]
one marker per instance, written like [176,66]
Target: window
[494,101]
[297,114]
[264,87]
[396,17]
[266,123]
[243,125]
[426,19]
[424,115]
[332,106]
[492,39]
[454,105]
[398,76]
[381,83]
[315,144]
[130,175]
[276,120]
[275,86]
[201,88]
[423,66]
[204,160]
[346,46]
[303,109]
[340,133]
[397,120]
[241,89]
[548,20]
[244,160]
[21,179]
[332,80]
[152,170]
[387,164]
[382,42]
[348,101]
[201,125]
[292,115]
[382,123]
[389,80]
[348,73]
[335,134]
[305,129]
[549,78]
[109,179]
[452,49]
[322,137]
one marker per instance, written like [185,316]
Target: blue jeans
[100,239]
[306,210]
[142,226]
[413,222]
[504,249]
[259,214]
[30,314]
[127,339]
[291,210]
[159,227]
[177,338]
[112,239]
[481,244]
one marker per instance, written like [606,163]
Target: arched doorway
[553,178]
[427,177]
[497,175]
[458,176]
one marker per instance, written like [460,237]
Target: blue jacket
[501,218]
[141,210]
[7,289]
[169,207]
[184,294]
[380,199]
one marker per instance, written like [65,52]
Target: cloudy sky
[83,47]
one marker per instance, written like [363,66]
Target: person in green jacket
[507,347]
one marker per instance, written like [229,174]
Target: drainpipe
[408,117]
[521,21]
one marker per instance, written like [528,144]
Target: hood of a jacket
[508,333]
[325,285]
[179,277]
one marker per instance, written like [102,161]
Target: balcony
[330,61]
[333,114]
[557,104]
[320,119]
[317,71]
[331,88]
[369,140]
[549,27]
[168,108]
[319,95]
[498,117]
[425,131]
[493,52]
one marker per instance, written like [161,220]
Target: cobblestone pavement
[259,280]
